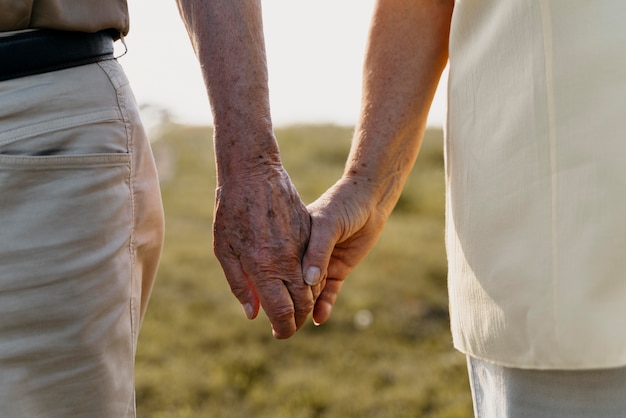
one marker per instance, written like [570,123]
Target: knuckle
[283,314]
[280,311]
[238,289]
[304,302]
[305,308]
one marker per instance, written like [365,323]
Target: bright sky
[314,51]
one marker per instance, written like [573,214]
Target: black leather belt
[41,51]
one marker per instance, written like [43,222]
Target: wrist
[381,190]
[243,156]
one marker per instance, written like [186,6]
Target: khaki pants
[81,230]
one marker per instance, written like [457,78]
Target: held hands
[261,233]
[261,228]
[346,222]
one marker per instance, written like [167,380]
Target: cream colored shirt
[72,15]
[536,182]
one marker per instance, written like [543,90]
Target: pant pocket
[98,131]
[65,266]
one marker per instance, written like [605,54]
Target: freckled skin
[261,243]
[261,227]
[407,51]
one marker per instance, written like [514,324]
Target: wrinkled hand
[261,229]
[345,225]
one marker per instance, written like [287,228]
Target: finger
[278,306]
[316,289]
[303,300]
[326,300]
[284,296]
[240,284]
[319,250]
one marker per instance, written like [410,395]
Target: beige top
[72,15]
[536,176]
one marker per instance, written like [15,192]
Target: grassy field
[386,351]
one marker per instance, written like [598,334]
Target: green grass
[199,357]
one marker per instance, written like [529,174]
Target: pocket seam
[59,124]
[48,162]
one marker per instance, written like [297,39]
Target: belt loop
[123,40]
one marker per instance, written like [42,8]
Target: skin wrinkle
[258,244]
[406,53]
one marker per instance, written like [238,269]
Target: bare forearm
[407,51]
[260,225]
[227,36]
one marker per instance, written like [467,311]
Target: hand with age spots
[398,86]
[346,222]
[261,229]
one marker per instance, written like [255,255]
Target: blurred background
[314,52]
[386,351]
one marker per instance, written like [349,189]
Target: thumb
[319,250]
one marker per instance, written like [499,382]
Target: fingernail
[312,275]
[249,310]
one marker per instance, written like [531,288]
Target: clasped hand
[284,257]
[261,229]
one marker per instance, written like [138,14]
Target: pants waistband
[42,51]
